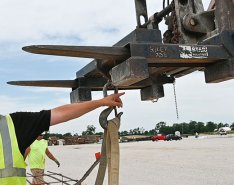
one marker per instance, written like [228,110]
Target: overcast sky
[98,23]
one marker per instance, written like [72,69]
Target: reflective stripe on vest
[12,172]
[10,169]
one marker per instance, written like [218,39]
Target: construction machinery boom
[145,59]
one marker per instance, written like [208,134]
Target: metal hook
[103,117]
[105,88]
[105,113]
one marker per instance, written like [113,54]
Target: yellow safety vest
[37,154]
[12,164]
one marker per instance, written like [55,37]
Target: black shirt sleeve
[28,125]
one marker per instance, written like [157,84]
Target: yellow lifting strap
[110,152]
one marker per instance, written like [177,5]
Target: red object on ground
[98,155]
[156,138]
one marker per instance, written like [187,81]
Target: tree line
[160,128]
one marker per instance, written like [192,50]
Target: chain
[175,32]
[177,112]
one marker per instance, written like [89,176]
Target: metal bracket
[131,71]
[141,11]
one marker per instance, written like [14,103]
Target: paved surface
[204,161]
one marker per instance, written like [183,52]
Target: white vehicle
[224,130]
[177,133]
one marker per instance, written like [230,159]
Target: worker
[36,157]
[19,130]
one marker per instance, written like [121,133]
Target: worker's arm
[50,155]
[75,110]
[27,151]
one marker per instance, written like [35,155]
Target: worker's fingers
[118,102]
[113,100]
[117,105]
[119,94]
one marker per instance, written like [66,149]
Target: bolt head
[192,22]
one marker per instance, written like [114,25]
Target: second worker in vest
[36,156]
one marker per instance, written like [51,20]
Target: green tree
[90,130]
[142,130]
[130,132]
[160,125]
[166,130]
[192,127]
[232,126]
[220,125]
[136,131]
[46,135]
[152,132]
[68,134]
[177,127]
[124,133]
[200,127]
[99,133]
[211,126]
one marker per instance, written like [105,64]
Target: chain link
[177,112]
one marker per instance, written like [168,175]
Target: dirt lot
[204,161]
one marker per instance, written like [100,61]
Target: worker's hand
[112,100]
[56,161]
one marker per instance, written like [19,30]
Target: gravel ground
[204,161]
